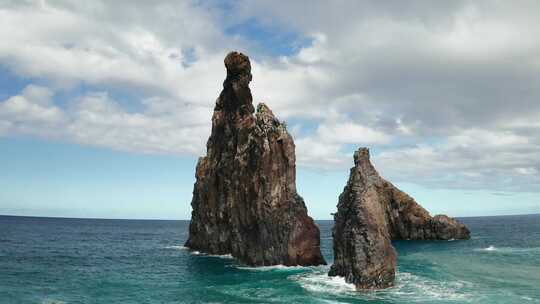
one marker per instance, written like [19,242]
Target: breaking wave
[409,288]
[202,254]
[198,253]
[274,268]
[178,247]
[322,283]
[515,250]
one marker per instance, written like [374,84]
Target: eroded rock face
[363,252]
[244,200]
[371,213]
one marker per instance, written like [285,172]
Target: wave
[408,288]
[490,248]
[221,256]
[412,287]
[179,247]
[202,254]
[275,268]
[198,253]
[510,250]
[322,283]
[52,301]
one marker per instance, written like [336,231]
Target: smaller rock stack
[371,213]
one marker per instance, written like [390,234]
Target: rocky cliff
[244,199]
[371,213]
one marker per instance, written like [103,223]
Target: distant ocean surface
[51,261]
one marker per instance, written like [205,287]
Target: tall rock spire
[244,199]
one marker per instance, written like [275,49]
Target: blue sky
[104,111]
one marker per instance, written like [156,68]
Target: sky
[105,106]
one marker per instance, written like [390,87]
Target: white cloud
[326,146]
[477,159]
[527,171]
[351,133]
[447,92]
[66,43]
[33,107]
[472,138]
[96,119]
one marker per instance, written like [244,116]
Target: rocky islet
[245,201]
[371,213]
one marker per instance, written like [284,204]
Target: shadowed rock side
[244,199]
[371,213]
[363,252]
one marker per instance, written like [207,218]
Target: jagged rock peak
[236,96]
[361,155]
[244,199]
[238,67]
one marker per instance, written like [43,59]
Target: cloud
[30,112]
[473,159]
[115,45]
[451,86]
[96,119]
[445,93]
[351,133]
[324,148]
[436,66]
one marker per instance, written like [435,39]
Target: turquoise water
[46,261]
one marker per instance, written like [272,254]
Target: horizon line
[158,219]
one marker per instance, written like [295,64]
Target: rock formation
[371,213]
[244,199]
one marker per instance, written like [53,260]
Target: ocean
[53,261]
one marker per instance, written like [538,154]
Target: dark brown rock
[244,199]
[363,252]
[371,213]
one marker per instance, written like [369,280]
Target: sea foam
[409,288]
[413,288]
[322,283]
